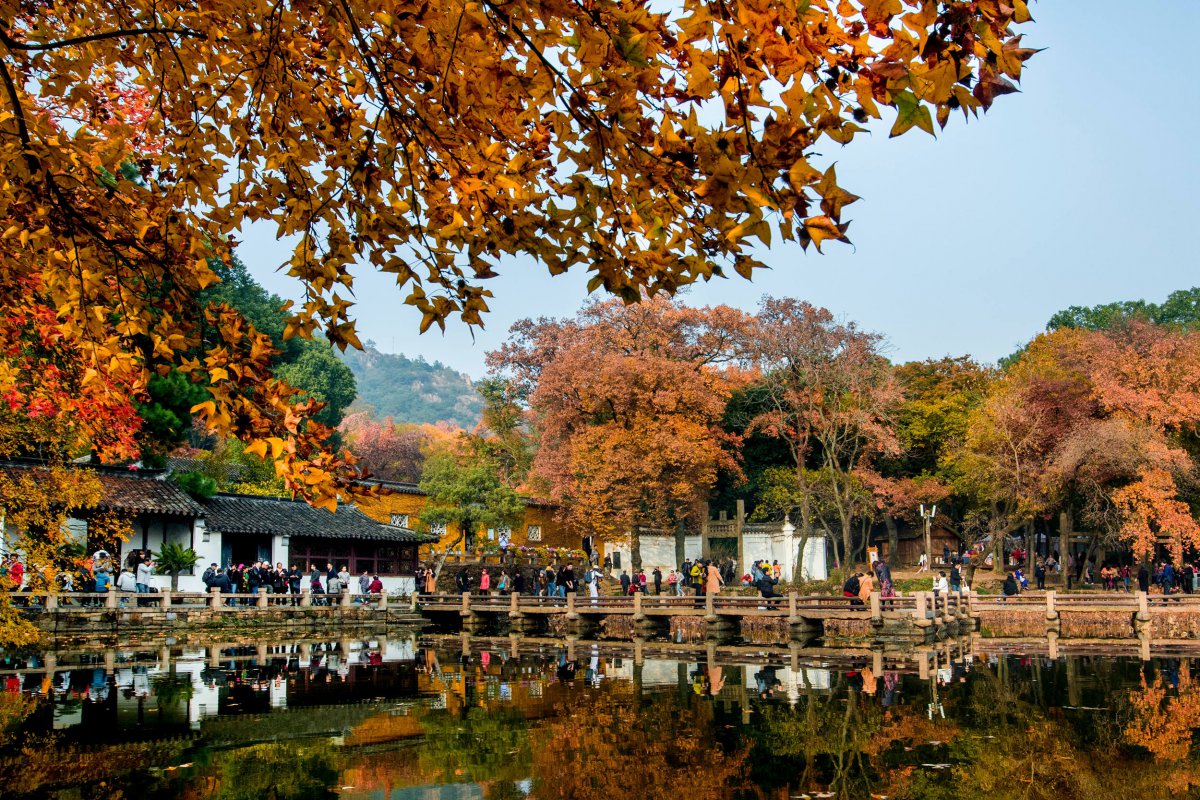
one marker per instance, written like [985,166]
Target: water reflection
[506,718]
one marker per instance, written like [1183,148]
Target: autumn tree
[141,136]
[930,425]
[626,402]
[387,450]
[1095,423]
[830,397]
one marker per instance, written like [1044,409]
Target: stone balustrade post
[708,604]
[637,606]
[51,601]
[110,599]
[793,616]
[164,599]
[306,598]
[262,600]
[347,599]
[571,606]
[1051,604]
[922,611]
[214,600]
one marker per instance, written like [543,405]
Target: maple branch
[13,44]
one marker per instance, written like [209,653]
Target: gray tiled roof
[281,517]
[128,491]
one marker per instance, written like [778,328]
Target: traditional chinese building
[402,503]
[241,529]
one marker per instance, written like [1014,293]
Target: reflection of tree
[606,745]
[480,746]
[276,771]
[1163,721]
[827,740]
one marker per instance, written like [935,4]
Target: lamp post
[928,514]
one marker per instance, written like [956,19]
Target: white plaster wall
[815,566]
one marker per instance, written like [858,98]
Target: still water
[439,718]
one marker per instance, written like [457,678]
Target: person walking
[923,563]
[1039,574]
[592,579]
[657,580]
[625,582]
[672,583]
[485,582]
[518,581]
[955,579]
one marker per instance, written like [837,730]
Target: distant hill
[413,390]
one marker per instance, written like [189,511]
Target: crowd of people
[243,579]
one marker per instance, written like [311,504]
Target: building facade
[402,503]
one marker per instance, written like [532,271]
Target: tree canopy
[652,147]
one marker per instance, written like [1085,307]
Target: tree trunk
[441,562]
[893,537]
[847,542]
[635,551]
[174,584]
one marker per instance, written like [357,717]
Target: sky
[1082,189]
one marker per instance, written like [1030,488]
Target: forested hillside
[413,390]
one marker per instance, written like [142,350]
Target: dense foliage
[412,390]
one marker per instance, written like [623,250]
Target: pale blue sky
[1080,190]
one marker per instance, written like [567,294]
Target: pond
[445,717]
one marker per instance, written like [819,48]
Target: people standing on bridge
[641,579]
[295,578]
[1039,574]
[1143,578]
[364,585]
[955,579]
[685,574]
[569,581]
[462,581]
[518,581]
[884,574]
[333,585]
[541,585]
[866,585]
[145,569]
[625,582]
[592,579]
[502,583]
[1125,576]
[696,577]
[314,586]
[485,582]
[850,589]
[657,580]
[1167,578]
[713,580]
[551,581]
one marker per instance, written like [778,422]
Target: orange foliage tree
[1094,420]
[429,142]
[626,402]
[830,396]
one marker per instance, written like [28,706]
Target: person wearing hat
[214,578]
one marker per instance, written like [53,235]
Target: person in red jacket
[376,586]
